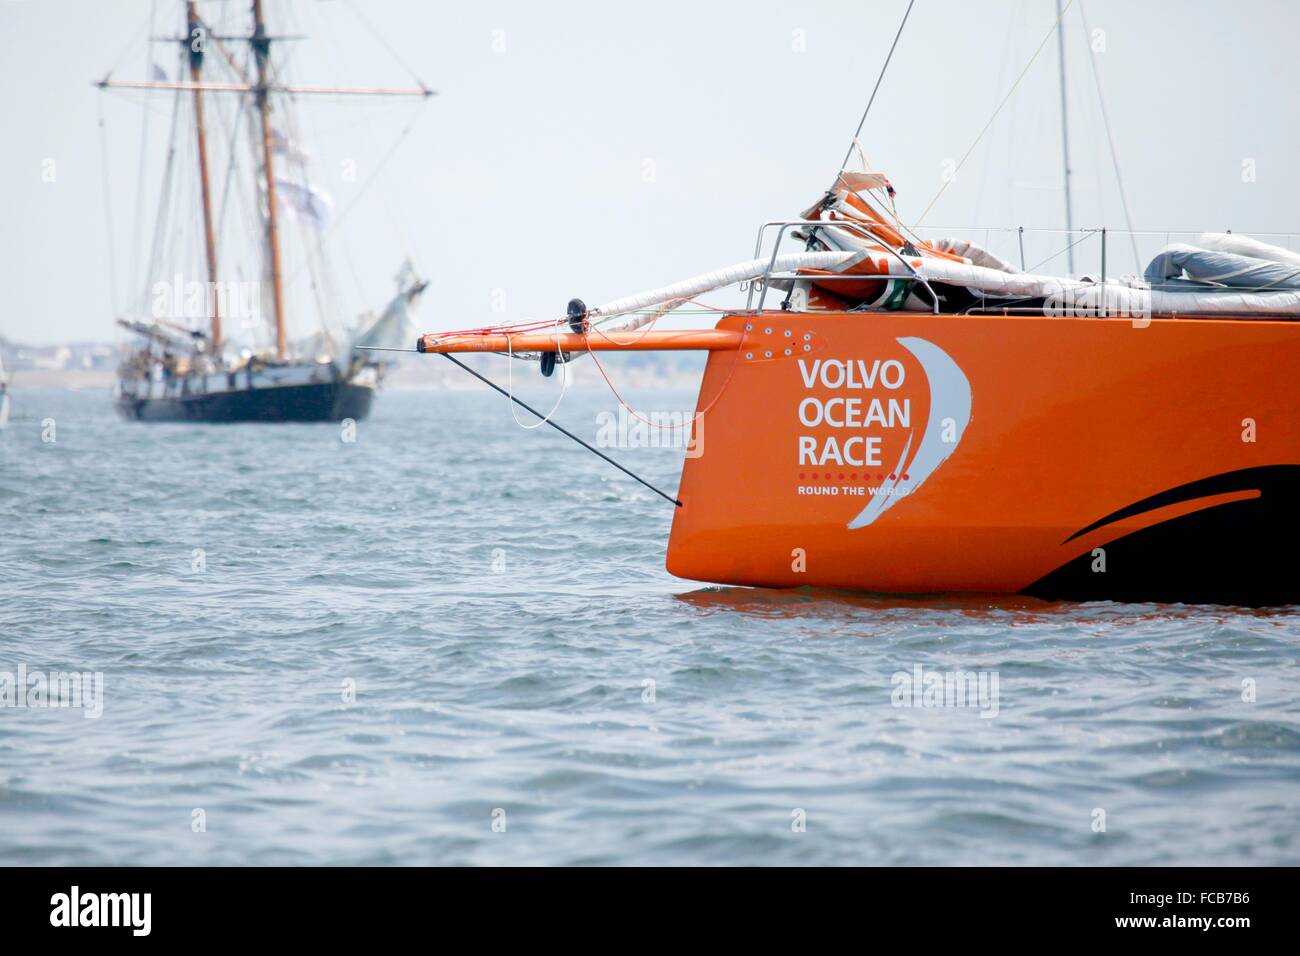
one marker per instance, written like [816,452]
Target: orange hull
[1065,458]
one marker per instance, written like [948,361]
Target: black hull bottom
[322,402]
[1233,553]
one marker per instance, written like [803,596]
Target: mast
[262,51]
[197,49]
[261,88]
[1065,141]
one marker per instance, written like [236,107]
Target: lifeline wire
[510,382]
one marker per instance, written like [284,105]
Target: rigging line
[663,309]
[399,224]
[1065,136]
[849,152]
[560,428]
[163,212]
[230,167]
[377,115]
[1037,265]
[133,97]
[965,156]
[108,208]
[138,226]
[127,47]
[392,150]
[1110,137]
[1004,61]
[319,269]
[387,46]
[332,58]
[699,415]
[357,284]
[374,112]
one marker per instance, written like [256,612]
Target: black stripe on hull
[1238,553]
[320,402]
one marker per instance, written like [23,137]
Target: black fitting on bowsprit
[577,313]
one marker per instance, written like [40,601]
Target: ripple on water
[371,653]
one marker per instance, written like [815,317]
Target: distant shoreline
[408,378]
[73,379]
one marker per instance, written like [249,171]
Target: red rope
[520,327]
[735,360]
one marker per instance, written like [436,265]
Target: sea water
[444,639]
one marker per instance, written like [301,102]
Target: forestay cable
[560,428]
[854,141]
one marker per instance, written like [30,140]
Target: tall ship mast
[240,320]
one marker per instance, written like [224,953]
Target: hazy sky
[596,149]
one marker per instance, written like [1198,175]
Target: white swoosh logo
[949,399]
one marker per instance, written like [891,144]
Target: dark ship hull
[313,402]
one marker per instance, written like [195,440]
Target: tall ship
[240,319]
[902,413]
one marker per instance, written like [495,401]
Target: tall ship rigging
[240,319]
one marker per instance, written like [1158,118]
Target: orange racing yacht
[913,421]
[920,417]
